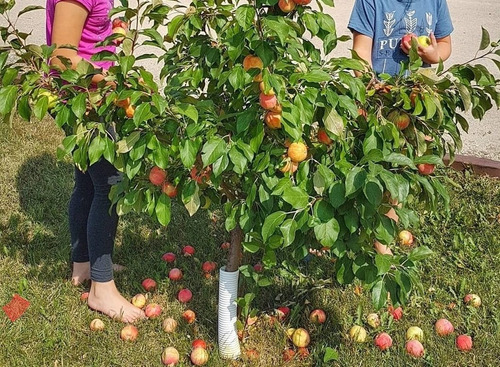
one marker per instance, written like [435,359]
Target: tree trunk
[235,250]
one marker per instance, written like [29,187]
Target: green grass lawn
[34,249]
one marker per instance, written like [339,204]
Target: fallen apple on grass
[473,300]
[189,316]
[152,311]
[288,354]
[383,341]
[317,316]
[84,296]
[208,266]
[199,356]
[357,334]
[170,356]
[129,333]
[169,325]
[184,295]
[139,300]
[169,257]
[149,284]
[444,327]
[199,343]
[301,338]
[414,348]
[96,325]
[225,245]
[464,343]
[282,313]
[396,313]
[188,250]
[414,333]
[373,320]
[303,352]
[175,274]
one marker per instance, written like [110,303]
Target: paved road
[483,139]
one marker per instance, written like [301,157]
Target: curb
[480,166]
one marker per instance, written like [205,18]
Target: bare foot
[382,249]
[81,273]
[104,297]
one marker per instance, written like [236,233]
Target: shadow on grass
[41,238]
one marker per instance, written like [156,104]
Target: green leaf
[485,39]
[271,223]
[420,253]
[327,233]
[239,160]
[192,203]
[125,145]
[334,123]
[41,107]
[309,20]
[96,149]
[245,15]
[30,8]
[399,159]
[23,108]
[188,151]
[379,294]
[8,97]
[288,229]
[251,247]
[330,353]
[337,194]
[187,110]
[355,179]
[213,150]
[383,263]
[142,114]
[296,197]
[373,191]
[162,209]
[79,105]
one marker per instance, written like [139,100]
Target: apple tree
[250,113]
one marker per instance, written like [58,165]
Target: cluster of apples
[300,337]
[199,354]
[158,177]
[297,151]
[287,6]
[414,334]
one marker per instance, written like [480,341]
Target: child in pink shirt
[82,23]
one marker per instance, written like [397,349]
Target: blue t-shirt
[387,21]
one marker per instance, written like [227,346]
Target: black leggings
[91,222]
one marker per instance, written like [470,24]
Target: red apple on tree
[157,176]
[169,189]
[425,169]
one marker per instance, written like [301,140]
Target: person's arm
[69,20]
[439,48]
[363,45]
